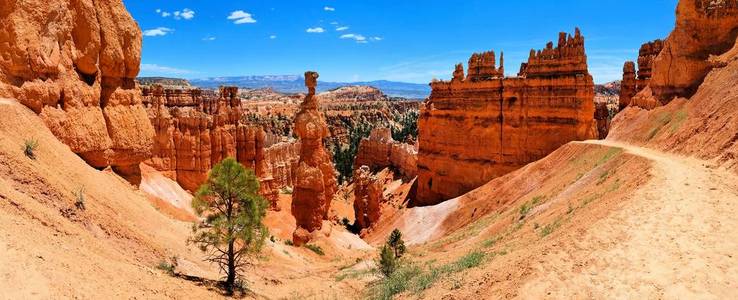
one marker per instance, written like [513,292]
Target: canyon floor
[593,219]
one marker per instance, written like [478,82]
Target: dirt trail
[676,239]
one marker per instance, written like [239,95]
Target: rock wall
[315,176]
[367,198]
[73,62]
[704,28]
[473,129]
[197,129]
[381,151]
[633,82]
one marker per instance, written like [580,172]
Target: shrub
[396,243]
[387,261]
[289,243]
[29,148]
[315,248]
[168,266]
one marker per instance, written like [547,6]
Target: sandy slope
[678,238]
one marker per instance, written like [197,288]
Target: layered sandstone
[380,151]
[704,28]
[73,62]
[635,82]
[367,198]
[477,128]
[315,176]
[197,129]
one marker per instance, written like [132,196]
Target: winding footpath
[677,238]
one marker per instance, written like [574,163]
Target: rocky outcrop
[603,119]
[477,128]
[704,28]
[315,176]
[633,82]
[74,62]
[367,198]
[197,129]
[381,151]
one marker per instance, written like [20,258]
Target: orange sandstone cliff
[475,128]
[632,85]
[315,176]
[380,151]
[704,29]
[197,129]
[74,64]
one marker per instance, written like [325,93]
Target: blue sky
[400,40]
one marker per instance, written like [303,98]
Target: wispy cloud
[272,37]
[209,39]
[241,17]
[154,68]
[377,38]
[160,31]
[357,37]
[186,14]
[315,30]
[328,8]
[342,28]
[334,23]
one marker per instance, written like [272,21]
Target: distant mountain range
[296,84]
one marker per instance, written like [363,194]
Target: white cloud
[241,17]
[334,23]
[328,8]
[160,31]
[272,37]
[154,68]
[209,39]
[342,28]
[315,30]
[186,14]
[376,38]
[357,37]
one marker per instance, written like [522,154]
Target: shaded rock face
[703,28]
[367,198]
[381,151]
[73,62]
[315,176]
[473,130]
[602,117]
[196,130]
[633,82]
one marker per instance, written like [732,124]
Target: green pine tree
[232,230]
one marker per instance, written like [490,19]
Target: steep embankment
[51,248]
[706,125]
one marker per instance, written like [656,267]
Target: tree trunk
[231,279]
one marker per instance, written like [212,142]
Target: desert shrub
[315,248]
[168,266]
[388,262]
[29,148]
[396,243]
[289,243]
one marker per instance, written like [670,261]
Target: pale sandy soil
[677,239]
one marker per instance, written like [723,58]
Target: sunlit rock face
[73,62]
[484,125]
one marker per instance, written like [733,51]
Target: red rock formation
[315,176]
[74,63]
[472,131]
[602,116]
[632,86]
[196,130]
[367,198]
[628,87]
[381,151]
[703,28]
